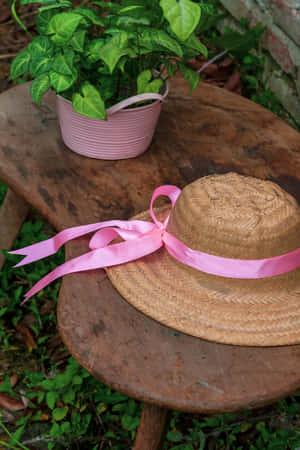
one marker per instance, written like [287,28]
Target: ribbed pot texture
[125,134]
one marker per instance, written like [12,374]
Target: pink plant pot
[126,133]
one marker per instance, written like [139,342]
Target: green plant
[99,55]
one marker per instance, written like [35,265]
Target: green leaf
[189,75]
[20,64]
[41,50]
[129,423]
[154,86]
[62,380]
[143,84]
[93,49]
[202,438]
[114,49]
[91,15]
[62,26]
[17,293]
[39,87]
[209,17]
[62,82]
[174,436]
[40,46]
[43,19]
[121,64]
[77,380]
[89,103]
[131,8]
[64,62]
[6,386]
[55,430]
[66,427]
[43,2]
[61,4]
[40,65]
[28,2]
[15,437]
[237,43]
[150,38]
[170,67]
[110,6]
[108,86]
[3,311]
[78,40]
[195,44]
[68,396]
[142,81]
[127,20]
[183,16]
[51,398]
[59,413]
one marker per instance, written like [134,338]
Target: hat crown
[236,216]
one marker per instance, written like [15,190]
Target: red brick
[287,17]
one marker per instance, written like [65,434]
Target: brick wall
[282,42]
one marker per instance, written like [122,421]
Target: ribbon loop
[172,192]
[140,239]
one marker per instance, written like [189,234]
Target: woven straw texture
[235,217]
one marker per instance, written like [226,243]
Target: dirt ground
[12,38]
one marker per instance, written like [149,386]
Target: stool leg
[151,429]
[12,215]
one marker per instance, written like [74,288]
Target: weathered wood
[12,215]
[152,428]
[214,131]
[151,362]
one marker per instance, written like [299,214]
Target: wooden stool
[212,131]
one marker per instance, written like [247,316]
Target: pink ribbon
[140,239]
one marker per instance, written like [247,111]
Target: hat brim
[263,312]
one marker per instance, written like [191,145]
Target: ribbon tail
[50,246]
[103,257]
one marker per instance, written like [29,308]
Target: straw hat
[235,217]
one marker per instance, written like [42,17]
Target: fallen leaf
[12,404]
[226,62]
[239,88]
[232,82]
[27,336]
[13,379]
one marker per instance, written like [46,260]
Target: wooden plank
[12,215]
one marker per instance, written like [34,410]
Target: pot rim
[133,109]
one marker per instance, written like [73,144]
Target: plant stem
[16,17]
[8,55]
[8,445]
[212,60]
[11,436]
[139,49]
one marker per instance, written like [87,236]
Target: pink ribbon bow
[140,239]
